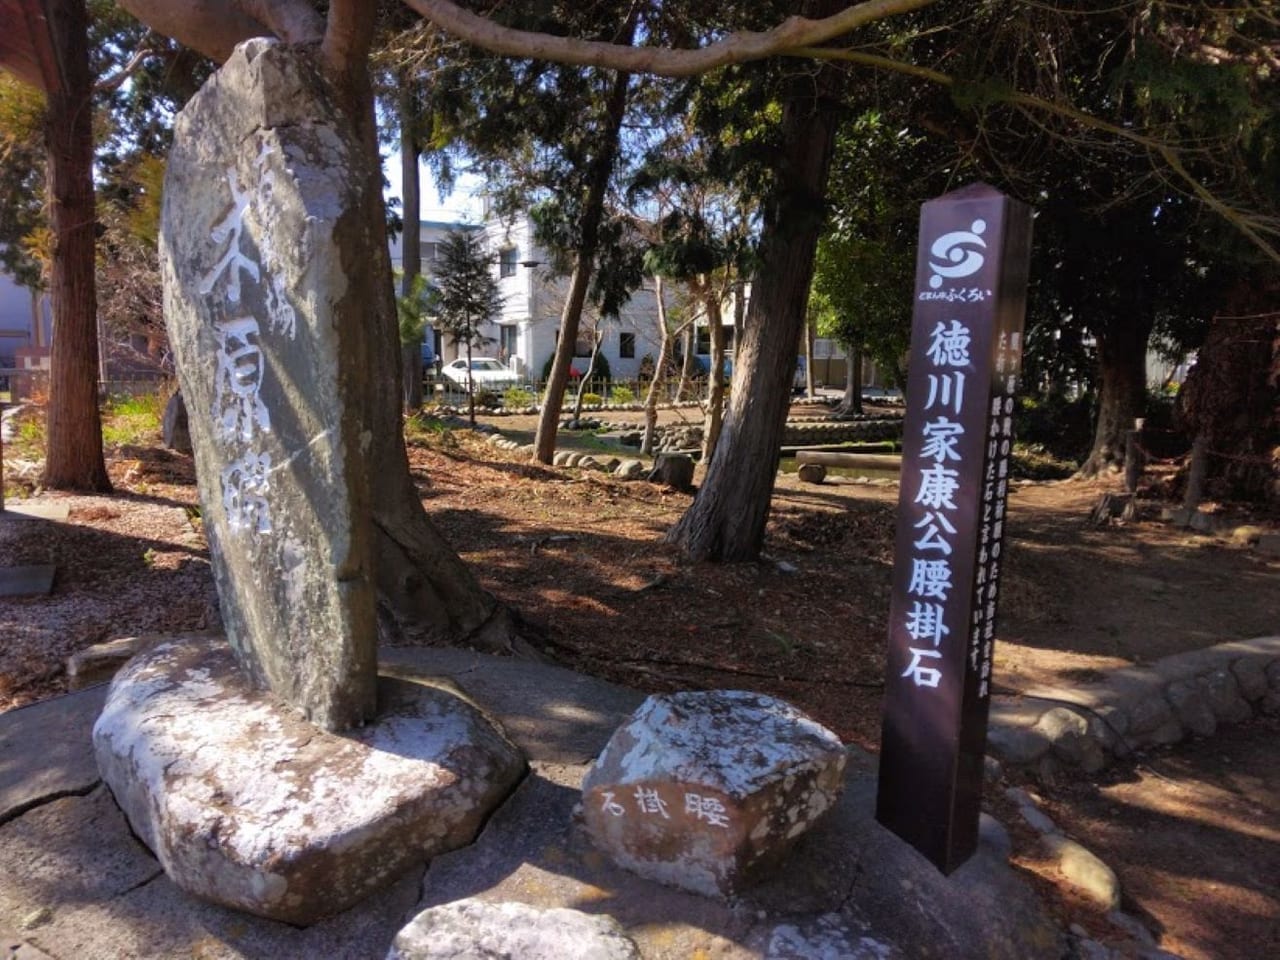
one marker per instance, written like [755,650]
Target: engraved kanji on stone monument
[260,252]
[966,346]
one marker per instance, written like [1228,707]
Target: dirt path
[1194,835]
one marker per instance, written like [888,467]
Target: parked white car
[487,373]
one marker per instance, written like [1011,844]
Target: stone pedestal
[247,805]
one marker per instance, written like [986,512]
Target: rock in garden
[247,805]
[174,427]
[705,791]
[812,473]
[466,929]
[629,470]
[263,259]
[675,470]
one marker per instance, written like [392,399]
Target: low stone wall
[1137,707]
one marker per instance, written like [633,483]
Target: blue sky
[462,206]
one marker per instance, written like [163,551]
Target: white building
[524,335]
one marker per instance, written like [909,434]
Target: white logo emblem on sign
[961,261]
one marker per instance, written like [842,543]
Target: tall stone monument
[279,775]
[267,310]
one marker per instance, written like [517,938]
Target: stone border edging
[1137,707]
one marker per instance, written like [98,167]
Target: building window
[627,346]
[508,342]
[507,261]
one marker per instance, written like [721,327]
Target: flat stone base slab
[247,805]
[25,510]
[27,581]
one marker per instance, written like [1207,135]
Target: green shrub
[487,398]
[1062,427]
[517,397]
[132,420]
[591,399]
[621,394]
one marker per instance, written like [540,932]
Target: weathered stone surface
[629,470]
[704,790]
[175,427]
[1151,719]
[1079,865]
[247,805]
[848,876]
[1189,703]
[80,885]
[1071,737]
[470,929]
[1251,675]
[811,472]
[675,470]
[99,663]
[45,751]
[260,253]
[1222,693]
[1014,743]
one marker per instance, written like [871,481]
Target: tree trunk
[426,594]
[810,390]
[591,367]
[1122,361]
[411,247]
[74,458]
[715,381]
[589,240]
[851,402]
[664,351]
[726,520]
[689,345]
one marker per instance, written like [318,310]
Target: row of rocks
[1187,694]
[1094,879]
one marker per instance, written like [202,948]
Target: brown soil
[581,556]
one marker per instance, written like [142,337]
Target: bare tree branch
[734,48]
[211,27]
[214,27]
[293,21]
[129,69]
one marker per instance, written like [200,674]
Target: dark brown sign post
[966,347]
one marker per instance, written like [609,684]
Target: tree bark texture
[851,402]
[411,245]
[425,591]
[74,458]
[664,351]
[810,390]
[726,520]
[1122,363]
[544,443]
[714,420]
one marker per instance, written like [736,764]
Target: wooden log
[851,461]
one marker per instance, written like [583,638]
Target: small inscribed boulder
[705,791]
[247,805]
